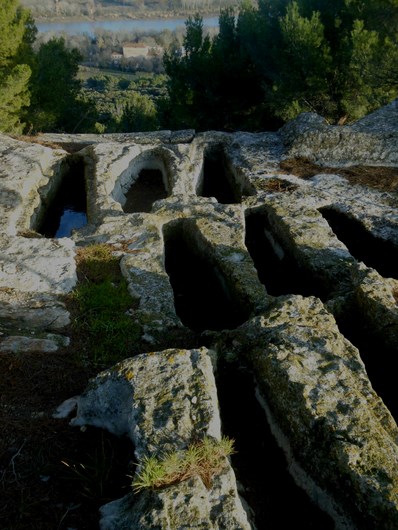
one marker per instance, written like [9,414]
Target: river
[117,26]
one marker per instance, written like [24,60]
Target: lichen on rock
[163,401]
[318,393]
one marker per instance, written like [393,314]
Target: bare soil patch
[381,178]
[52,476]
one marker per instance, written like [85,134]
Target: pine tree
[335,57]
[303,67]
[55,88]
[15,39]
[189,75]
[281,57]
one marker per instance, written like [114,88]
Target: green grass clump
[101,301]
[97,263]
[204,459]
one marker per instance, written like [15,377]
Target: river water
[144,25]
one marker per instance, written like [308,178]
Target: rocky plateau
[307,269]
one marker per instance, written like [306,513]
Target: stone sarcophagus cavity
[64,207]
[375,252]
[219,179]
[203,297]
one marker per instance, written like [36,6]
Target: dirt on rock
[381,178]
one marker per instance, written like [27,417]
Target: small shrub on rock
[205,459]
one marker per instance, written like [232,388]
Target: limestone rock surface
[32,310]
[317,392]
[21,344]
[160,400]
[25,168]
[340,438]
[163,401]
[186,505]
[372,140]
[37,265]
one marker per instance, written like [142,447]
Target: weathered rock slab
[32,310]
[163,401]
[368,141]
[21,344]
[318,393]
[24,169]
[37,265]
[160,400]
[376,302]
[186,505]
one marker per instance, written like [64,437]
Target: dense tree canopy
[270,62]
[16,36]
[267,63]
[38,90]
[55,89]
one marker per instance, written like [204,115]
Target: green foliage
[102,302]
[270,62]
[55,88]
[300,84]
[189,75]
[16,33]
[139,114]
[123,103]
[204,459]
[211,84]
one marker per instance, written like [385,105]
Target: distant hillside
[53,9]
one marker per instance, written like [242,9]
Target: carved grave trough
[375,252]
[65,208]
[202,297]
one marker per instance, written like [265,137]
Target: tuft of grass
[97,263]
[102,306]
[205,459]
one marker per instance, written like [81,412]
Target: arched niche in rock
[147,179]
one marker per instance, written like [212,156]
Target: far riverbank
[118,25]
[132,15]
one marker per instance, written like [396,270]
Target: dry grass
[204,459]
[377,177]
[275,185]
[94,262]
